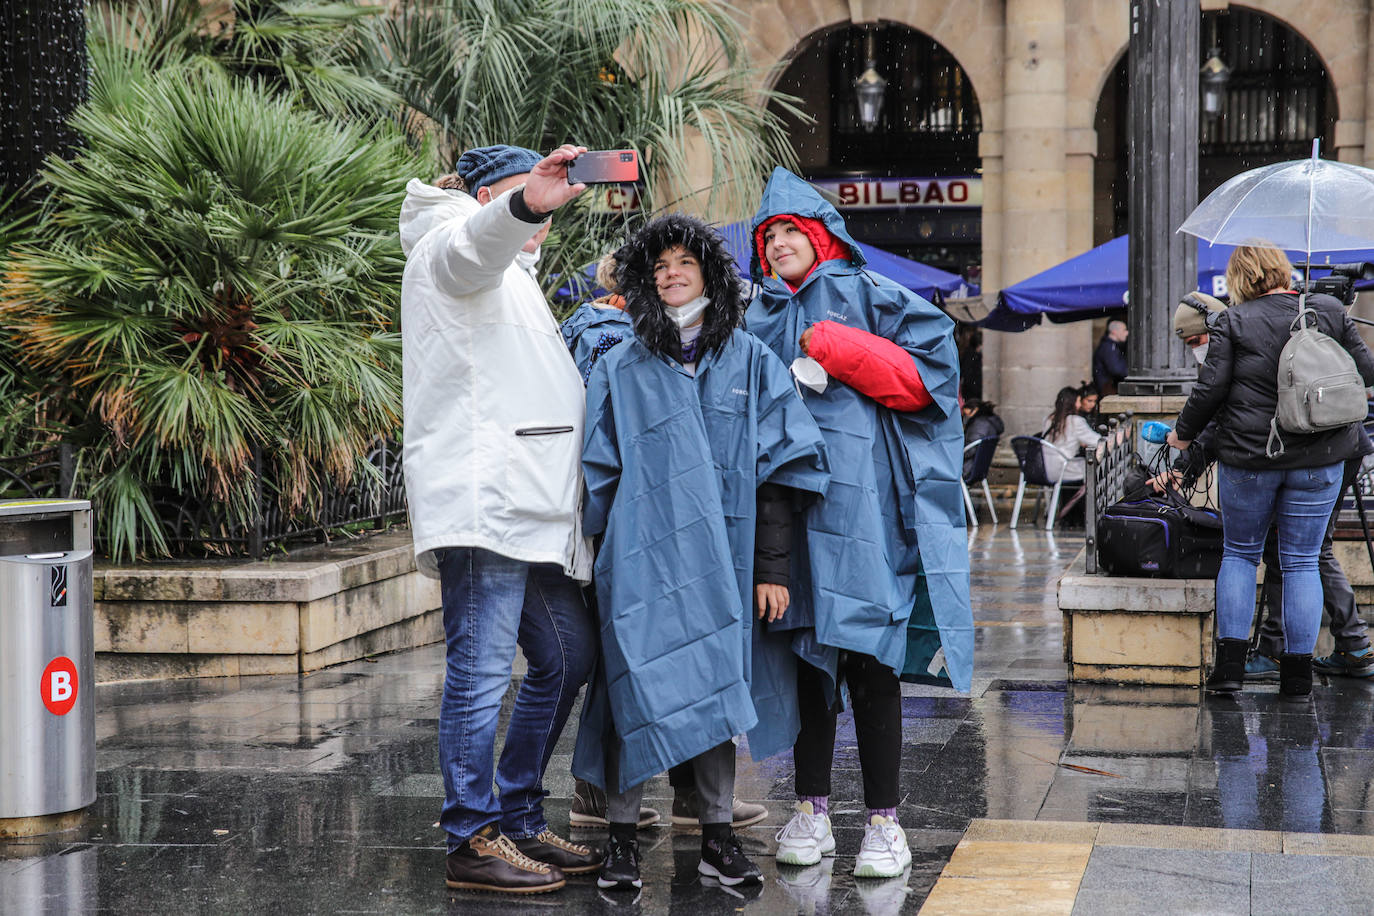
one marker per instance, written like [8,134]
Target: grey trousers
[715,771]
[1338,598]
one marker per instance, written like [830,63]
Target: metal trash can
[47,664]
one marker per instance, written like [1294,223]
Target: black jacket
[1238,384]
[1109,365]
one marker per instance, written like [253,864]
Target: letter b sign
[59,686]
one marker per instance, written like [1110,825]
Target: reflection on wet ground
[320,793]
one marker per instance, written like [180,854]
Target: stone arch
[1329,36]
[972,32]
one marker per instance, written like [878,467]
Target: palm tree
[665,77]
[215,274]
[309,50]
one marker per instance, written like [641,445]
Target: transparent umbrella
[1303,205]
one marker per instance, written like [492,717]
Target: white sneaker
[805,838]
[884,853]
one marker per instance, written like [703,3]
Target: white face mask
[810,373]
[1200,354]
[688,314]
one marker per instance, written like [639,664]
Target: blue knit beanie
[489,164]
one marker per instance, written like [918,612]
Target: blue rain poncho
[882,567]
[590,331]
[673,463]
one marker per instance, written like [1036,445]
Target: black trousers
[876,695]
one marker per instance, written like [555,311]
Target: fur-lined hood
[724,288]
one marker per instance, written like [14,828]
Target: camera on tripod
[1341,281]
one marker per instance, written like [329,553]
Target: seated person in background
[1069,433]
[980,422]
[1087,405]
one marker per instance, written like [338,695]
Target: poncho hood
[786,194]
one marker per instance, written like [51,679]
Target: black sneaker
[620,867]
[551,849]
[722,859]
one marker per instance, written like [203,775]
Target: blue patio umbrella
[1093,284]
[928,282]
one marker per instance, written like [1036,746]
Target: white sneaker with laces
[805,838]
[884,853]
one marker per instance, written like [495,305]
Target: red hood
[828,248]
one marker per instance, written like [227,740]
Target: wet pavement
[319,794]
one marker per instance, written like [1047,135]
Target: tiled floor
[319,794]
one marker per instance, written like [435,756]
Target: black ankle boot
[1228,669]
[1295,676]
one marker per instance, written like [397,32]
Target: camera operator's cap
[487,165]
[1190,318]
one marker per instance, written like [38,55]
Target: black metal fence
[1105,478]
[193,526]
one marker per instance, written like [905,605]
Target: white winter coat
[493,402]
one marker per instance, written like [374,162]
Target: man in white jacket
[493,439]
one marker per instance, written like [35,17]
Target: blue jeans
[1303,499]
[491,604]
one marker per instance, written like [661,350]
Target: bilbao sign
[889,193]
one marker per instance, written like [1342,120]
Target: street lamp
[870,88]
[1215,76]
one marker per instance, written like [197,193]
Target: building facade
[1018,107]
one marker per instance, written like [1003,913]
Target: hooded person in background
[493,436]
[880,570]
[697,447]
[596,326]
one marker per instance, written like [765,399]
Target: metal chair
[1030,455]
[978,455]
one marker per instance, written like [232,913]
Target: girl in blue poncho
[880,573]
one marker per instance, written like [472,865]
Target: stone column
[1035,364]
[1162,118]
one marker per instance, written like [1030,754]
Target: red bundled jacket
[872,365]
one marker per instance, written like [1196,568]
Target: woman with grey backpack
[1284,377]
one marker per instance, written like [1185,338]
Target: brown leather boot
[490,862]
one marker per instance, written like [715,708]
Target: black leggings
[876,695]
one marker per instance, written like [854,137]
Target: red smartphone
[604,166]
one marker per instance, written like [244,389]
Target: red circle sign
[59,685]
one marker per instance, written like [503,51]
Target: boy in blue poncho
[590,332]
[696,446]
[880,571]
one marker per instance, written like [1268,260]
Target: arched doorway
[928,129]
[911,180]
[1279,97]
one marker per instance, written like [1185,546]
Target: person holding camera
[1238,386]
[493,441]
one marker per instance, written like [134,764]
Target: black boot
[1295,676]
[1228,670]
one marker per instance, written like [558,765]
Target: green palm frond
[665,77]
[217,271]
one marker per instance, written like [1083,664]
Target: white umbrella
[1303,205]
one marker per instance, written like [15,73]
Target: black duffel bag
[1159,536]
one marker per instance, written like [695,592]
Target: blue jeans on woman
[492,604]
[1302,498]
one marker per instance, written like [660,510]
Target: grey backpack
[1319,386]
